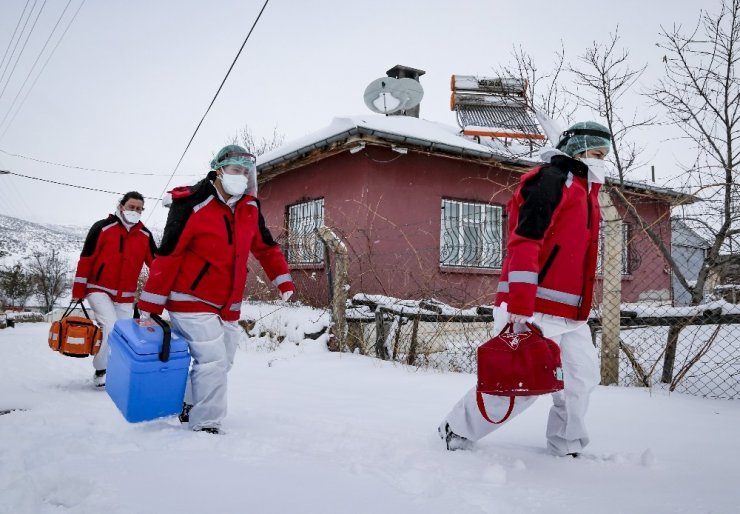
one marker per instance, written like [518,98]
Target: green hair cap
[233,154]
[584,136]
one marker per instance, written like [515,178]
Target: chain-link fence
[664,313]
[427,334]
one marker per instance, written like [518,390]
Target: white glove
[286,295]
[520,318]
[145,319]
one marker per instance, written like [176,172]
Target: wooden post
[340,286]
[380,350]
[411,357]
[397,336]
[611,267]
[356,337]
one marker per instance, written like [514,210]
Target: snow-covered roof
[401,130]
[674,197]
[407,131]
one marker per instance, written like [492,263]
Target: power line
[22,49]
[23,102]
[211,105]
[25,24]
[33,67]
[6,172]
[14,201]
[71,166]
[2,62]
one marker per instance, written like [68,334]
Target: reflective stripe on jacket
[201,265]
[112,258]
[552,246]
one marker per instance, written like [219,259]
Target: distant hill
[20,239]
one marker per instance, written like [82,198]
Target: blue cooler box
[139,383]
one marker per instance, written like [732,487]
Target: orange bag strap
[482,409]
[67,312]
[83,309]
[70,308]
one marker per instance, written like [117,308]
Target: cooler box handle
[164,355]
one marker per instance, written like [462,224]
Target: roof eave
[674,198]
[351,136]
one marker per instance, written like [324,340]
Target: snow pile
[270,323]
[410,307]
[317,432]
[715,307]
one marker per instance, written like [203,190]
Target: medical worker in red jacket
[200,272]
[548,277]
[108,271]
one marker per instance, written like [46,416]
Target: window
[304,245]
[471,235]
[625,249]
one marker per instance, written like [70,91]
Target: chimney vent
[405,72]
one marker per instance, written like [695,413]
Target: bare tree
[544,90]
[258,146]
[49,273]
[16,285]
[700,93]
[604,78]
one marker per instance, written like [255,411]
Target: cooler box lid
[147,340]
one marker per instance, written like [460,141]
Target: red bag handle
[509,327]
[482,409]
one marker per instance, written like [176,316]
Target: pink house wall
[387,208]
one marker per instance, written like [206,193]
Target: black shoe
[210,430]
[575,455]
[454,442]
[99,378]
[184,416]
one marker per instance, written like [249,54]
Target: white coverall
[107,312]
[212,343]
[566,428]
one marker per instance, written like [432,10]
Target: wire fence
[706,361]
[658,319]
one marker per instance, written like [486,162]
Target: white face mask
[234,184]
[596,169]
[132,217]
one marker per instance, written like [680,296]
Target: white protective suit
[107,312]
[566,428]
[212,343]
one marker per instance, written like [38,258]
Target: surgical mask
[132,217]
[234,184]
[596,169]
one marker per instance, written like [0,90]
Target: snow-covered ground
[316,432]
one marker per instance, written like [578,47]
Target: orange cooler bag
[75,336]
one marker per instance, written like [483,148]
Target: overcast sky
[130,81]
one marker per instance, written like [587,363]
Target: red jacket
[112,258]
[550,264]
[201,265]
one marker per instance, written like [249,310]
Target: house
[421,209]
[689,251]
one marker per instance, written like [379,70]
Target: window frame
[317,258]
[480,211]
